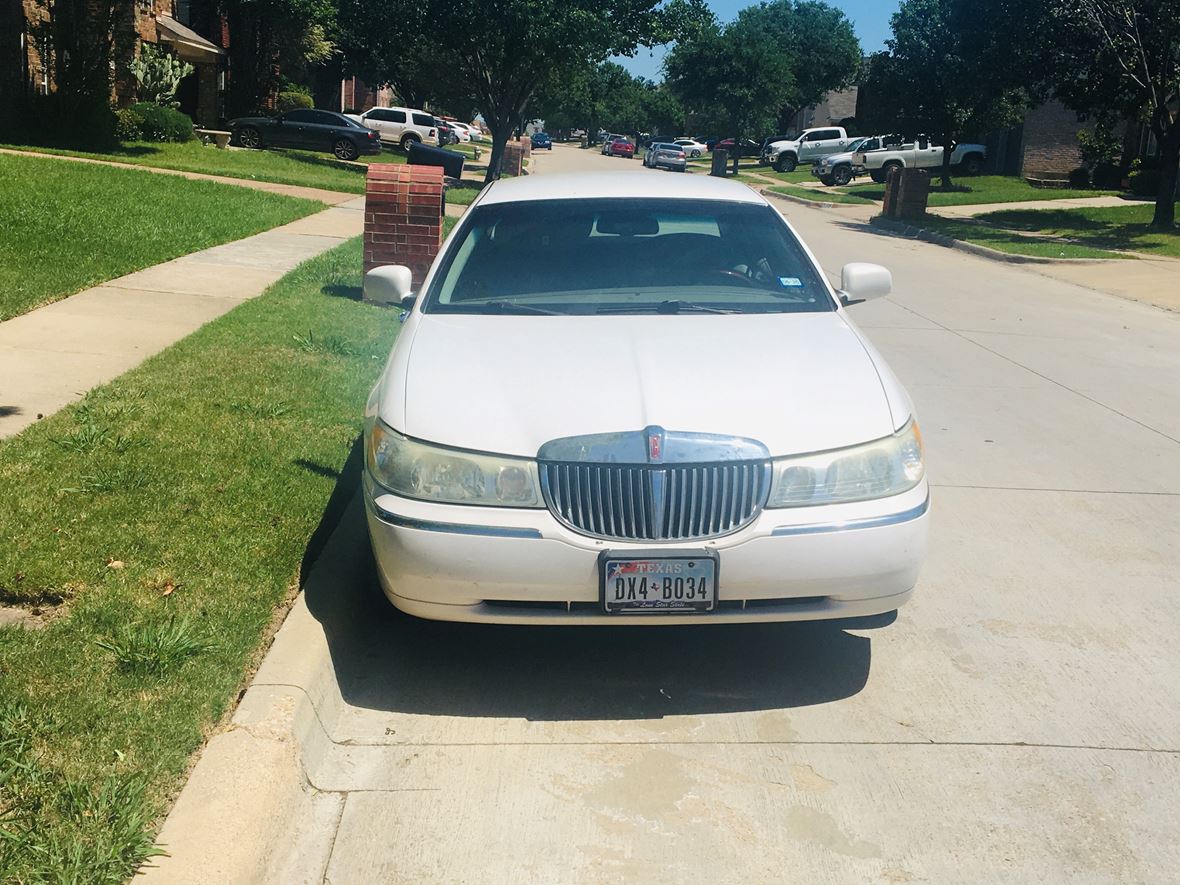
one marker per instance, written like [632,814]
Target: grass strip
[1008,241]
[165,516]
[983,189]
[68,226]
[1108,227]
[817,196]
[301,168]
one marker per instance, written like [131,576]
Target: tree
[734,78]
[506,50]
[1123,56]
[953,68]
[273,39]
[819,42]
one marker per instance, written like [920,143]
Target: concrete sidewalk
[53,355]
[983,208]
[332,198]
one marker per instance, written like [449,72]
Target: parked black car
[309,129]
[749,148]
[446,135]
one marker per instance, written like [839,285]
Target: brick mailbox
[404,208]
[513,162]
[907,192]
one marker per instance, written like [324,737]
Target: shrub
[1079,177]
[163,124]
[1107,176]
[128,124]
[1100,146]
[1145,182]
[289,101]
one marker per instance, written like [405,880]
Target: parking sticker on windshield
[790,282]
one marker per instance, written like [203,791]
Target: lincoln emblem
[655,446]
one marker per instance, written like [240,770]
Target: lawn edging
[913,232]
[791,198]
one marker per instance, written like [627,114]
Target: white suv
[400,126]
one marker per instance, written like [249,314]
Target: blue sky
[869,17]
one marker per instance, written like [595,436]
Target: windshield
[625,256]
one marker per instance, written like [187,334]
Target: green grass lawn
[1007,241]
[67,226]
[982,189]
[303,168]
[162,519]
[1117,227]
[827,195]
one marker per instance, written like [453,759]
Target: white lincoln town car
[635,399]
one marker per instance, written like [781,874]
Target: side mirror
[389,284]
[860,282]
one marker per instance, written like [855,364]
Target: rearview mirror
[388,284]
[860,282]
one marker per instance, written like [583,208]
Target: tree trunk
[1165,201]
[496,160]
[948,152]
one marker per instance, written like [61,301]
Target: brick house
[831,110]
[191,28]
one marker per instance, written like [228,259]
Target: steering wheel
[736,274]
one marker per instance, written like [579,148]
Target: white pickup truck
[918,155]
[811,145]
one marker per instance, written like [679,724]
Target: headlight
[431,473]
[878,469]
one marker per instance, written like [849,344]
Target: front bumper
[496,565]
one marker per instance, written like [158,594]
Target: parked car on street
[665,155]
[446,135]
[541,140]
[811,145]
[309,129]
[607,141]
[621,147]
[691,146]
[840,169]
[401,126]
[697,459]
[920,154]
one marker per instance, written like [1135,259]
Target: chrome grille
[655,502]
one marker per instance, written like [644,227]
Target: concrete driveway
[1016,722]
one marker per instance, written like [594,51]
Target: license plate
[671,583]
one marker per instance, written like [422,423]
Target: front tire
[827,180]
[249,137]
[972,164]
[344,149]
[841,176]
[786,163]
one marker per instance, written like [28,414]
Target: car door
[293,128]
[378,120]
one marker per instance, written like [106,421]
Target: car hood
[833,159]
[508,384]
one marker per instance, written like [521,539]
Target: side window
[423,120]
[324,118]
[396,116]
[829,135]
[811,136]
[378,115]
[300,116]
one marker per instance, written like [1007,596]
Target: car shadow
[386,660]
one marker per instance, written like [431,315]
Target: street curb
[791,198]
[254,808]
[912,232]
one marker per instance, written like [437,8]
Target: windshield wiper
[511,307]
[667,307]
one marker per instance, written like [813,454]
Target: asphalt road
[1017,722]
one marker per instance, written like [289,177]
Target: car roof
[633,185]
